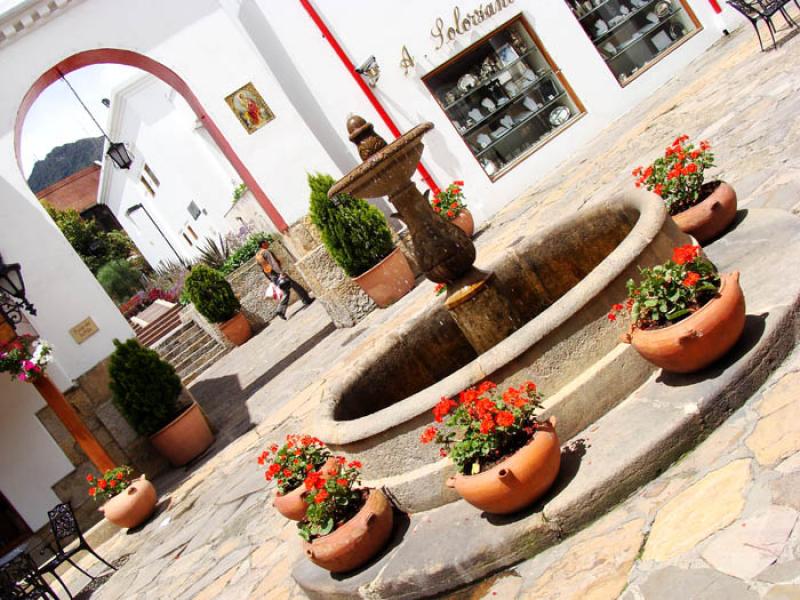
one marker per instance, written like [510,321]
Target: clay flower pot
[133,505]
[517,481]
[711,217]
[237,329]
[699,339]
[358,540]
[185,438]
[389,280]
[464,222]
[292,505]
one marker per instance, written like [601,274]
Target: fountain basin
[561,281]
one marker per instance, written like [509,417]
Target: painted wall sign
[463,23]
[249,106]
[83,330]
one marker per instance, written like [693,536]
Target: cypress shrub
[119,279]
[211,294]
[355,233]
[145,388]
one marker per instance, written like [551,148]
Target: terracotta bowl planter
[133,505]
[464,222]
[185,438]
[292,505]
[237,329]
[712,216]
[389,280]
[358,540]
[699,339]
[517,481]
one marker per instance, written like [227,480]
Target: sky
[57,117]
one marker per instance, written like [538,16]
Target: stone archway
[168,76]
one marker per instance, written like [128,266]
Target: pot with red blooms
[449,204]
[504,456]
[289,465]
[702,209]
[684,314]
[345,525]
[127,502]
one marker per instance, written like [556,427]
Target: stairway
[164,322]
[190,350]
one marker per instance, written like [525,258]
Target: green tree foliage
[211,294]
[354,232]
[145,388]
[245,252]
[119,279]
[95,246]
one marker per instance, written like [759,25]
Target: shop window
[147,187]
[505,96]
[194,210]
[149,180]
[631,35]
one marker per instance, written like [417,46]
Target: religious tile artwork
[248,105]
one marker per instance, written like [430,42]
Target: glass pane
[630,34]
[503,97]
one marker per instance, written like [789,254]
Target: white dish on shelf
[488,104]
[475,114]
[467,82]
[483,140]
[609,47]
[558,116]
[507,121]
[499,132]
[652,18]
[502,100]
[530,104]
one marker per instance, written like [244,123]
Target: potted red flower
[128,502]
[25,357]
[289,466]
[345,525]
[701,209]
[449,204]
[504,456]
[684,314]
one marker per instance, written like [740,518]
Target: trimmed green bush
[211,294]
[145,388]
[245,252]
[354,232]
[119,279]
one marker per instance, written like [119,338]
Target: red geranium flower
[428,435]
[505,418]
[691,279]
[685,254]
[321,496]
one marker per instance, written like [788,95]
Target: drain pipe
[326,33]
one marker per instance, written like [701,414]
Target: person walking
[274,272]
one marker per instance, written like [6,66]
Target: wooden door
[13,529]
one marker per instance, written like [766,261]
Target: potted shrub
[684,314]
[504,457]
[289,466]
[702,209]
[449,204]
[146,390]
[213,297]
[359,240]
[345,526]
[127,502]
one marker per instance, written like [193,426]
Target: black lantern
[118,153]
[12,292]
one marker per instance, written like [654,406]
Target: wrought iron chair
[20,580]
[66,530]
[764,10]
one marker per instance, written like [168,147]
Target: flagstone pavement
[719,524]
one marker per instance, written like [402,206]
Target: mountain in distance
[63,161]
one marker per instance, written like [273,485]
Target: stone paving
[718,524]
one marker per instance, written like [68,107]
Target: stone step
[156,330]
[196,354]
[176,337]
[199,367]
[188,346]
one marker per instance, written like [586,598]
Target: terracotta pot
[517,481]
[389,280]
[237,329]
[711,217]
[185,438]
[699,339]
[292,505]
[464,222]
[133,505]
[358,540]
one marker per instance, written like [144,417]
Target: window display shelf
[595,9]
[628,17]
[646,32]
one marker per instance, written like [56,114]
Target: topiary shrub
[145,388]
[211,294]
[354,232]
[119,279]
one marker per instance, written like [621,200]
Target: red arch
[168,76]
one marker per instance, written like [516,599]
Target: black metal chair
[755,10]
[66,530]
[20,580]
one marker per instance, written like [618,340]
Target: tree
[354,232]
[119,279]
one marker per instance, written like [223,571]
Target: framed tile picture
[248,105]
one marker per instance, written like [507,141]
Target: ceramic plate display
[662,8]
[467,82]
[609,47]
[502,100]
[529,75]
[558,116]
[600,27]
[499,132]
[507,54]
[530,104]
[488,104]
[507,121]
[652,18]
[483,140]
[489,166]
[475,114]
